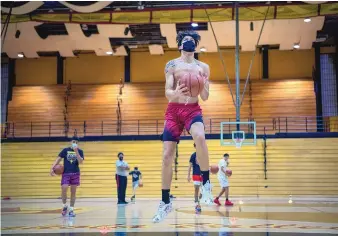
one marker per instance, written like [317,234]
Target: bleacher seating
[95,104]
[294,167]
[37,106]
[92,109]
[146,103]
[302,166]
[284,98]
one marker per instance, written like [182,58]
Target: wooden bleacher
[294,167]
[143,106]
[284,98]
[302,166]
[36,105]
[94,104]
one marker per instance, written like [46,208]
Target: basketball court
[249,216]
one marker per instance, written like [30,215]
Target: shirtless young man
[183,112]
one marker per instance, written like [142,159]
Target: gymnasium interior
[96,70]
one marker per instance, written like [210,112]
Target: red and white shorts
[197,179]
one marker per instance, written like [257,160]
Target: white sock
[71,208]
[64,205]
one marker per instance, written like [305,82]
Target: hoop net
[238,142]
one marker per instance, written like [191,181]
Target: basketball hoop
[238,142]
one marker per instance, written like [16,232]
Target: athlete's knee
[64,189]
[73,190]
[167,159]
[199,138]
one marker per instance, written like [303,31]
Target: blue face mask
[189,46]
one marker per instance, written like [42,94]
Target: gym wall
[91,69]
[41,71]
[149,68]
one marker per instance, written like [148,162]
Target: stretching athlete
[184,112]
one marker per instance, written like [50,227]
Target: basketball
[140,184]
[214,169]
[194,83]
[58,169]
[228,172]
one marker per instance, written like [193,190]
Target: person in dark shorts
[72,157]
[136,177]
[197,178]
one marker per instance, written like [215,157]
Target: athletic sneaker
[162,211]
[71,214]
[198,208]
[122,203]
[228,203]
[64,211]
[207,197]
[217,201]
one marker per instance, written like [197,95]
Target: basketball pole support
[238,102]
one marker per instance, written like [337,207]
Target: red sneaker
[228,203]
[217,201]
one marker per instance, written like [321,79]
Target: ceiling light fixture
[307,20]
[203,49]
[140,6]
[194,24]
[84,27]
[109,53]
[126,31]
[296,46]
[20,55]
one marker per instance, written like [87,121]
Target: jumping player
[223,180]
[183,112]
[196,177]
[72,156]
[136,175]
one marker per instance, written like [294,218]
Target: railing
[65,111]
[118,109]
[264,154]
[155,127]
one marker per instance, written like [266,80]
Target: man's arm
[170,92]
[189,172]
[223,169]
[57,161]
[78,156]
[206,74]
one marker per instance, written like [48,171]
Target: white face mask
[74,145]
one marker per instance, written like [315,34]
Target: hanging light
[251,26]
[203,49]
[140,6]
[296,46]
[307,20]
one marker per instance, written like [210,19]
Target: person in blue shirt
[196,177]
[72,157]
[136,176]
